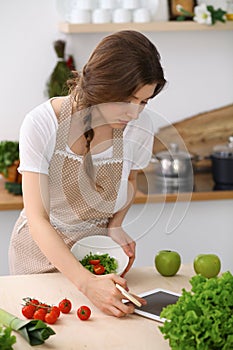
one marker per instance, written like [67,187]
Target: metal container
[173,170]
[222,164]
[174,163]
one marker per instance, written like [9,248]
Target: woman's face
[118,114]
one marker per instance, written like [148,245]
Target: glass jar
[229,13]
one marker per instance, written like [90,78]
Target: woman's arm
[116,231]
[36,204]
[100,290]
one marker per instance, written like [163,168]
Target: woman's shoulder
[41,118]
[45,113]
[56,104]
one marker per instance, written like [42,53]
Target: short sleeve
[37,139]
[141,139]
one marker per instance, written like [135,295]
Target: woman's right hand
[102,292]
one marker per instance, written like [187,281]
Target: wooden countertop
[203,190]
[100,331]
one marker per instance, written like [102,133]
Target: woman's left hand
[126,243]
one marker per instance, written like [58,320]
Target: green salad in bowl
[100,264]
[100,255]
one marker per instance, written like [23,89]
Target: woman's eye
[143,103]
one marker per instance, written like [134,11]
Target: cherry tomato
[56,310]
[84,313]
[51,317]
[65,306]
[94,262]
[39,314]
[28,311]
[34,302]
[99,269]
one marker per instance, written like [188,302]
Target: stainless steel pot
[222,164]
[174,163]
[173,171]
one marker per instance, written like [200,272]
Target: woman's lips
[124,121]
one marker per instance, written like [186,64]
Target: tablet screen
[156,300]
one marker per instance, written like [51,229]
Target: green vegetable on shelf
[202,319]
[34,331]
[9,152]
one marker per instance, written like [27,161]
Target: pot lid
[225,150]
[173,153]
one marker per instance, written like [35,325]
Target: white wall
[191,228]
[198,65]
[7,222]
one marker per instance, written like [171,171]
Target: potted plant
[9,160]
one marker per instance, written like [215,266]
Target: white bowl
[101,245]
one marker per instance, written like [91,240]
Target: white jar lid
[86,4]
[130,4]
[108,4]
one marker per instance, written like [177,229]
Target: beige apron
[76,209]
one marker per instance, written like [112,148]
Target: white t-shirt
[38,140]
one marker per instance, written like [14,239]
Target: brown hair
[120,65]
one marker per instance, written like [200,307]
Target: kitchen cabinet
[100,332]
[191,228]
[191,223]
[7,221]
[159,26]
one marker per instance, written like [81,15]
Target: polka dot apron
[77,209]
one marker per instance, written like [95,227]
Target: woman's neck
[102,140]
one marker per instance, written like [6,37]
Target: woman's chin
[120,125]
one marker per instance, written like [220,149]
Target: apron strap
[118,144]
[64,121]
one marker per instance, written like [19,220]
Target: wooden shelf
[9,201]
[159,26]
[203,192]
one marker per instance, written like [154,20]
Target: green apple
[167,262]
[208,265]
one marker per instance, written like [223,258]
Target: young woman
[79,157]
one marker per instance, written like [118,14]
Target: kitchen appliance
[173,169]
[222,165]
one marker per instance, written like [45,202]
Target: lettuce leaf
[6,339]
[202,318]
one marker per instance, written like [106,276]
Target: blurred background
[197,64]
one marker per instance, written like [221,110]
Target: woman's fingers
[141,300]
[120,309]
[128,267]
[103,293]
[129,250]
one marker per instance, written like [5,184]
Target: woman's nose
[133,110]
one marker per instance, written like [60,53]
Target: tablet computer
[156,299]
